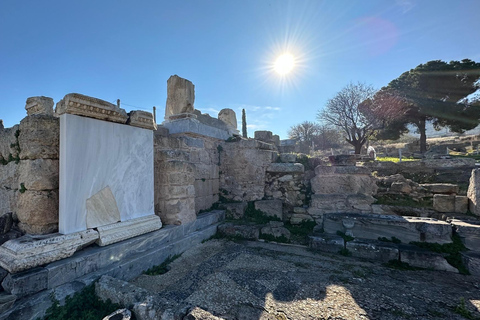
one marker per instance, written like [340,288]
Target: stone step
[381,251]
[124,260]
[469,231]
[373,226]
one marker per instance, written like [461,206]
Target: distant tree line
[436,92]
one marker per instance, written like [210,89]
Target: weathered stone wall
[29,173]
[186,175]
[427,171]
[243,166]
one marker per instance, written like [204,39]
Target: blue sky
[128,49]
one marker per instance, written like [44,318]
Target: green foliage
[257,216]
[345,237]
[395,159]
[84,305]
[233,139]
[462,310]
[393,240]
[244,124]
[269,237]
[431,93]
[22,188]
[403,200]
[345,252]
[452,250]
[163,267]
[303,229]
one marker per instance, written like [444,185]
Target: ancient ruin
[89,190]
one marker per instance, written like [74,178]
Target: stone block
[81,105]
[472,262]
[400,187]
[9,176]
[39,105]
[8,142]
[298,218]
[275,229]
[120,231]
[142,119]
[286,168]
[344,184]
[326,243]
[271,208]
[178,211]
[288,157]
[37,211]
[473,192]
[343,160]
[234,210]
[8,200]
[374,250]
[119,291]
[421,258]
[6,222]
[444,203]
[372,226]
[39,137]
[6,301]
[265,136]
[39,174]
[469,232]
[27,282]
[31,251]
[229,117]
[331,203]
[180,96]
[334,170]
[461,204]
[444,188]
[250,232]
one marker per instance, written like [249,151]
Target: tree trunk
[423,135]
[358,147]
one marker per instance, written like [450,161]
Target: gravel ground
[256,280]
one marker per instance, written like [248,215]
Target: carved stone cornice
[81,105]
[31,251]
[127,229]
[142,119]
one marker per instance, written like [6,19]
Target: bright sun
[284,64]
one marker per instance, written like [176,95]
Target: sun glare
[284,64]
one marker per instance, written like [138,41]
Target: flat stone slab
[31,251]
[373,250]
[331,170]
[373,226]
[326,243]
[469,231]
[445,188]
[286,168]
[120,231]
[421,258]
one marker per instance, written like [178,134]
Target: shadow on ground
[255,280]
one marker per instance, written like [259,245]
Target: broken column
[180,98]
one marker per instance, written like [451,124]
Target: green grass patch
[452,250]
[257,216]
[462,310]
[404,201]
[271,238]
[392,239]
[163,267]
[396,159]
[84,305]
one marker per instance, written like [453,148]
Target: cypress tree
[244,124]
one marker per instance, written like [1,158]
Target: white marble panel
[95,154]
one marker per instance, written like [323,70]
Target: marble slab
[31,251]
[120,231]
[95,154]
